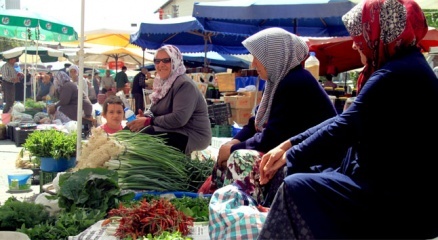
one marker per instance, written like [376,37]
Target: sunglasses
[164,60]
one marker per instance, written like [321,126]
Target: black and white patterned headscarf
[279,51]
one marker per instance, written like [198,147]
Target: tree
[431,17]
[7,43]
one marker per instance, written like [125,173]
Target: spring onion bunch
[147,163]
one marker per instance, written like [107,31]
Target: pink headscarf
[162,86]
[380,28]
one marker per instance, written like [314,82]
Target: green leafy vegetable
[15,213]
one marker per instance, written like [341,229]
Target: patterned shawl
[60,79]
[380,28]
[162,86]
[278,51]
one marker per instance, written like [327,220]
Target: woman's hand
[270,163]
[51,109]
[137,124]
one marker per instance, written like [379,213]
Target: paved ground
[8,156]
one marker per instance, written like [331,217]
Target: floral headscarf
[380,28]
[60,79]
[279,51]
[162,86]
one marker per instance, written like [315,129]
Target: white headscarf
[162,86]
[279,51]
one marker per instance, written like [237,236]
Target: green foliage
[66,224]
[431,17]
[31,104]
[197,208]
[51,143]
[199,170]
[90,188]
[16,213]
[7,43]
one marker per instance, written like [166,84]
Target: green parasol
[27,25]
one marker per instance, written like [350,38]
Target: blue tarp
[188,35]
[309,18]
[217,59]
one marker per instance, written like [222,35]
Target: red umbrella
[335,55]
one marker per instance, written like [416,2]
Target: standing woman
[178,110]
[386,185]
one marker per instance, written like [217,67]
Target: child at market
[113,112]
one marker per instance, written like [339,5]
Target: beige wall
[185,7]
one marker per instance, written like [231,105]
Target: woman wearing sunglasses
[178,108]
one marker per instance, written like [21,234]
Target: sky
[98,13]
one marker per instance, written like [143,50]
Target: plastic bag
[234,215]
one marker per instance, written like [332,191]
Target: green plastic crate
[221,131]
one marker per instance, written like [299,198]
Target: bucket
[20,179]
[49,164]
[6,118]
[235,130]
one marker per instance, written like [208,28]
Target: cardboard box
[226,82]
[243,100]
[241,116]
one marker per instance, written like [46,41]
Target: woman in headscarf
[385,186]
[67,94]
[178,109]
[292,101]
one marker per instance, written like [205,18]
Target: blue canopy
[216,59]
[188,35]
[307,18]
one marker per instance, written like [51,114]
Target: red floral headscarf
[380,28]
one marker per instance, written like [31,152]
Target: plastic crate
[219,113]
[221,131]
[20,135]
[46,177]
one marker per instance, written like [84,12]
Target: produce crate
[199,231]
[219,113]
[46,177]
[221,131]
[20,135]
[10,132]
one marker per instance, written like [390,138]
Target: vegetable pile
[153,217]
[143,161]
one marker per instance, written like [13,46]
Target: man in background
[107,82]
[138,84]
[121,79]
[9,79]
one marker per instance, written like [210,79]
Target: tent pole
[205,51]
[144,49]
[25,75]
[81,85]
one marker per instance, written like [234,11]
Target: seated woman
[178,109]
[292,101]
[45,88]
[67,93]
[384,188]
